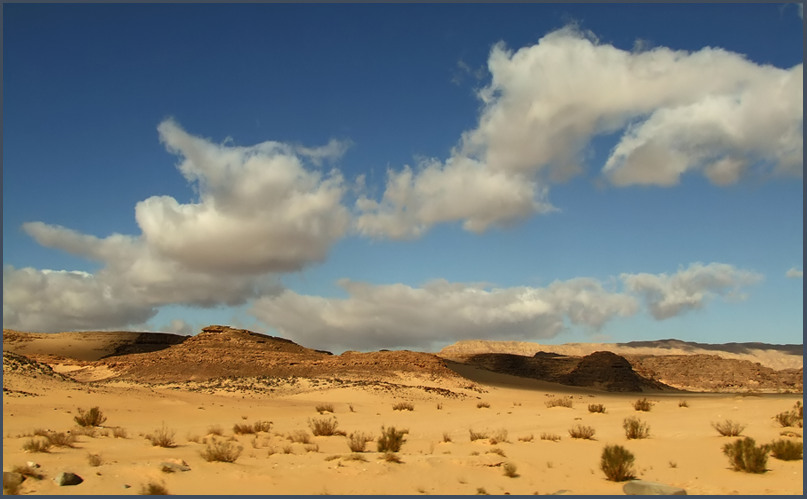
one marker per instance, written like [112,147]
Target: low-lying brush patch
[311,448]
[635,428]
[92,417]
[221,451]
[61,439]
[477,435]
[391,439]
[37,444]
[559,402]
[357,441]
[745,455]
[325,427]
[28,471]
[794,417]
[787,450]
[527,438]
[94,459]
[215,430]
[119,432]
[728,428]
[550,436]
[499,436]
[509,470]
[403,406]
[162,437]
[580,431]
[262,426]
[300,437]
[643,405]
[323,408]
[683,403]
[391,457]
[482,405]
[446,437]
[243,429]
[617,463]
[86,431]
[153,489]
[596,408]
[496,450]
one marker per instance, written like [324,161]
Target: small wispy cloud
[794,273]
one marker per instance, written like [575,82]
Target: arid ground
[183,389]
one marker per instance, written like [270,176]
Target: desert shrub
[617,463]
[323,408]
[28,471]
[477,435]
[215,430]
[323,427]
[482,405]
[11,488]
[119,432]
[728,428]
[643,405]
[357,441]
[496,450]
[550,436]
[559,402]
[37,444]
[391,457]
[162,437]
[243,429]
[635,428]
[596,408]
[580,431]
[403,406]
[439,406]
[509,470]
[61,439]
[527,438]
[153,489]
[221,451]
[480,491]
[785,419]
[94,459]
[349,457]
[787,450]
[350,406]
[391,439]
[499,436]
[288,449]
[262,426]
[92,417]
[311,448]
[683,403]
[300,436]
[446,437]
[745,455]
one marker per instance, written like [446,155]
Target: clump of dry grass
[635,428]
[311,448]
[391,457]
[221,451]
[728,428]
[477,435]
[349,457]
[683,403]
[262,426]
[28,471]
[496,450]
[357,441]
[482,405]
[61,439]
[509,470]
[527,438]
[617,463]
[243,429]
[325,427]
[215,430]
[745,455]
[94,459]
[559,402]
[446,437]
[300,437]
[550,436]
[580,431]
[162,437]
[153,489]
[596,408]
[643,405]
[119,432]
[499,436]
[91,417]
[403,406]
[787,450]
[86,431]
[391,439]
[37,444]
[323,408]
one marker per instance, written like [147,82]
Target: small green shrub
[403,406]
[391,439]
[357,441]
[744,455]
[221,451]
[635,428]
[617,463]
[559,402]
[596,408]
[323,426]
[92,417]
[580,431]
[643,405]
[787,450]
[728,428]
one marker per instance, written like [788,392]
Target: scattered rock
[67,478]
[644,488]
[32,464]
[12,479]
[173,466]
[127,486]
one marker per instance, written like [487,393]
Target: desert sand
[682,450]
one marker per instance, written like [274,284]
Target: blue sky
[405,176]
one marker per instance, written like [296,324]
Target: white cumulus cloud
[794,273]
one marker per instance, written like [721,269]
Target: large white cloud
[688,289]
[710,111]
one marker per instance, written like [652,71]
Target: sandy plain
[682,450]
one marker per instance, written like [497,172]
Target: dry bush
[728,428]
[162,437]
[559,402]
[785,419]
[323,408]
[446,437]
[391,439]
[403,406]
[357,441]
[480,491]
[643,405]
[635,428]
[787,450]
[215,430]
[350,406]
[221,451]
[11,488]
[550,436]
[477,435]
[87,431]
[92,417]
[28,471]
[683,403]
[744,455]
[499,436]
[349,457]
[527,438]
[509,470]
[300,437]
[243,429]
[323,427]
[596,408]
[119,432]
[617,463]
[61,439]
[94,459]
[439,406]
[153,489]
[496,450]
[37,444]
[482,405]
[262,426]
[288,449]
[580,431]
[391,457]
[311,448]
